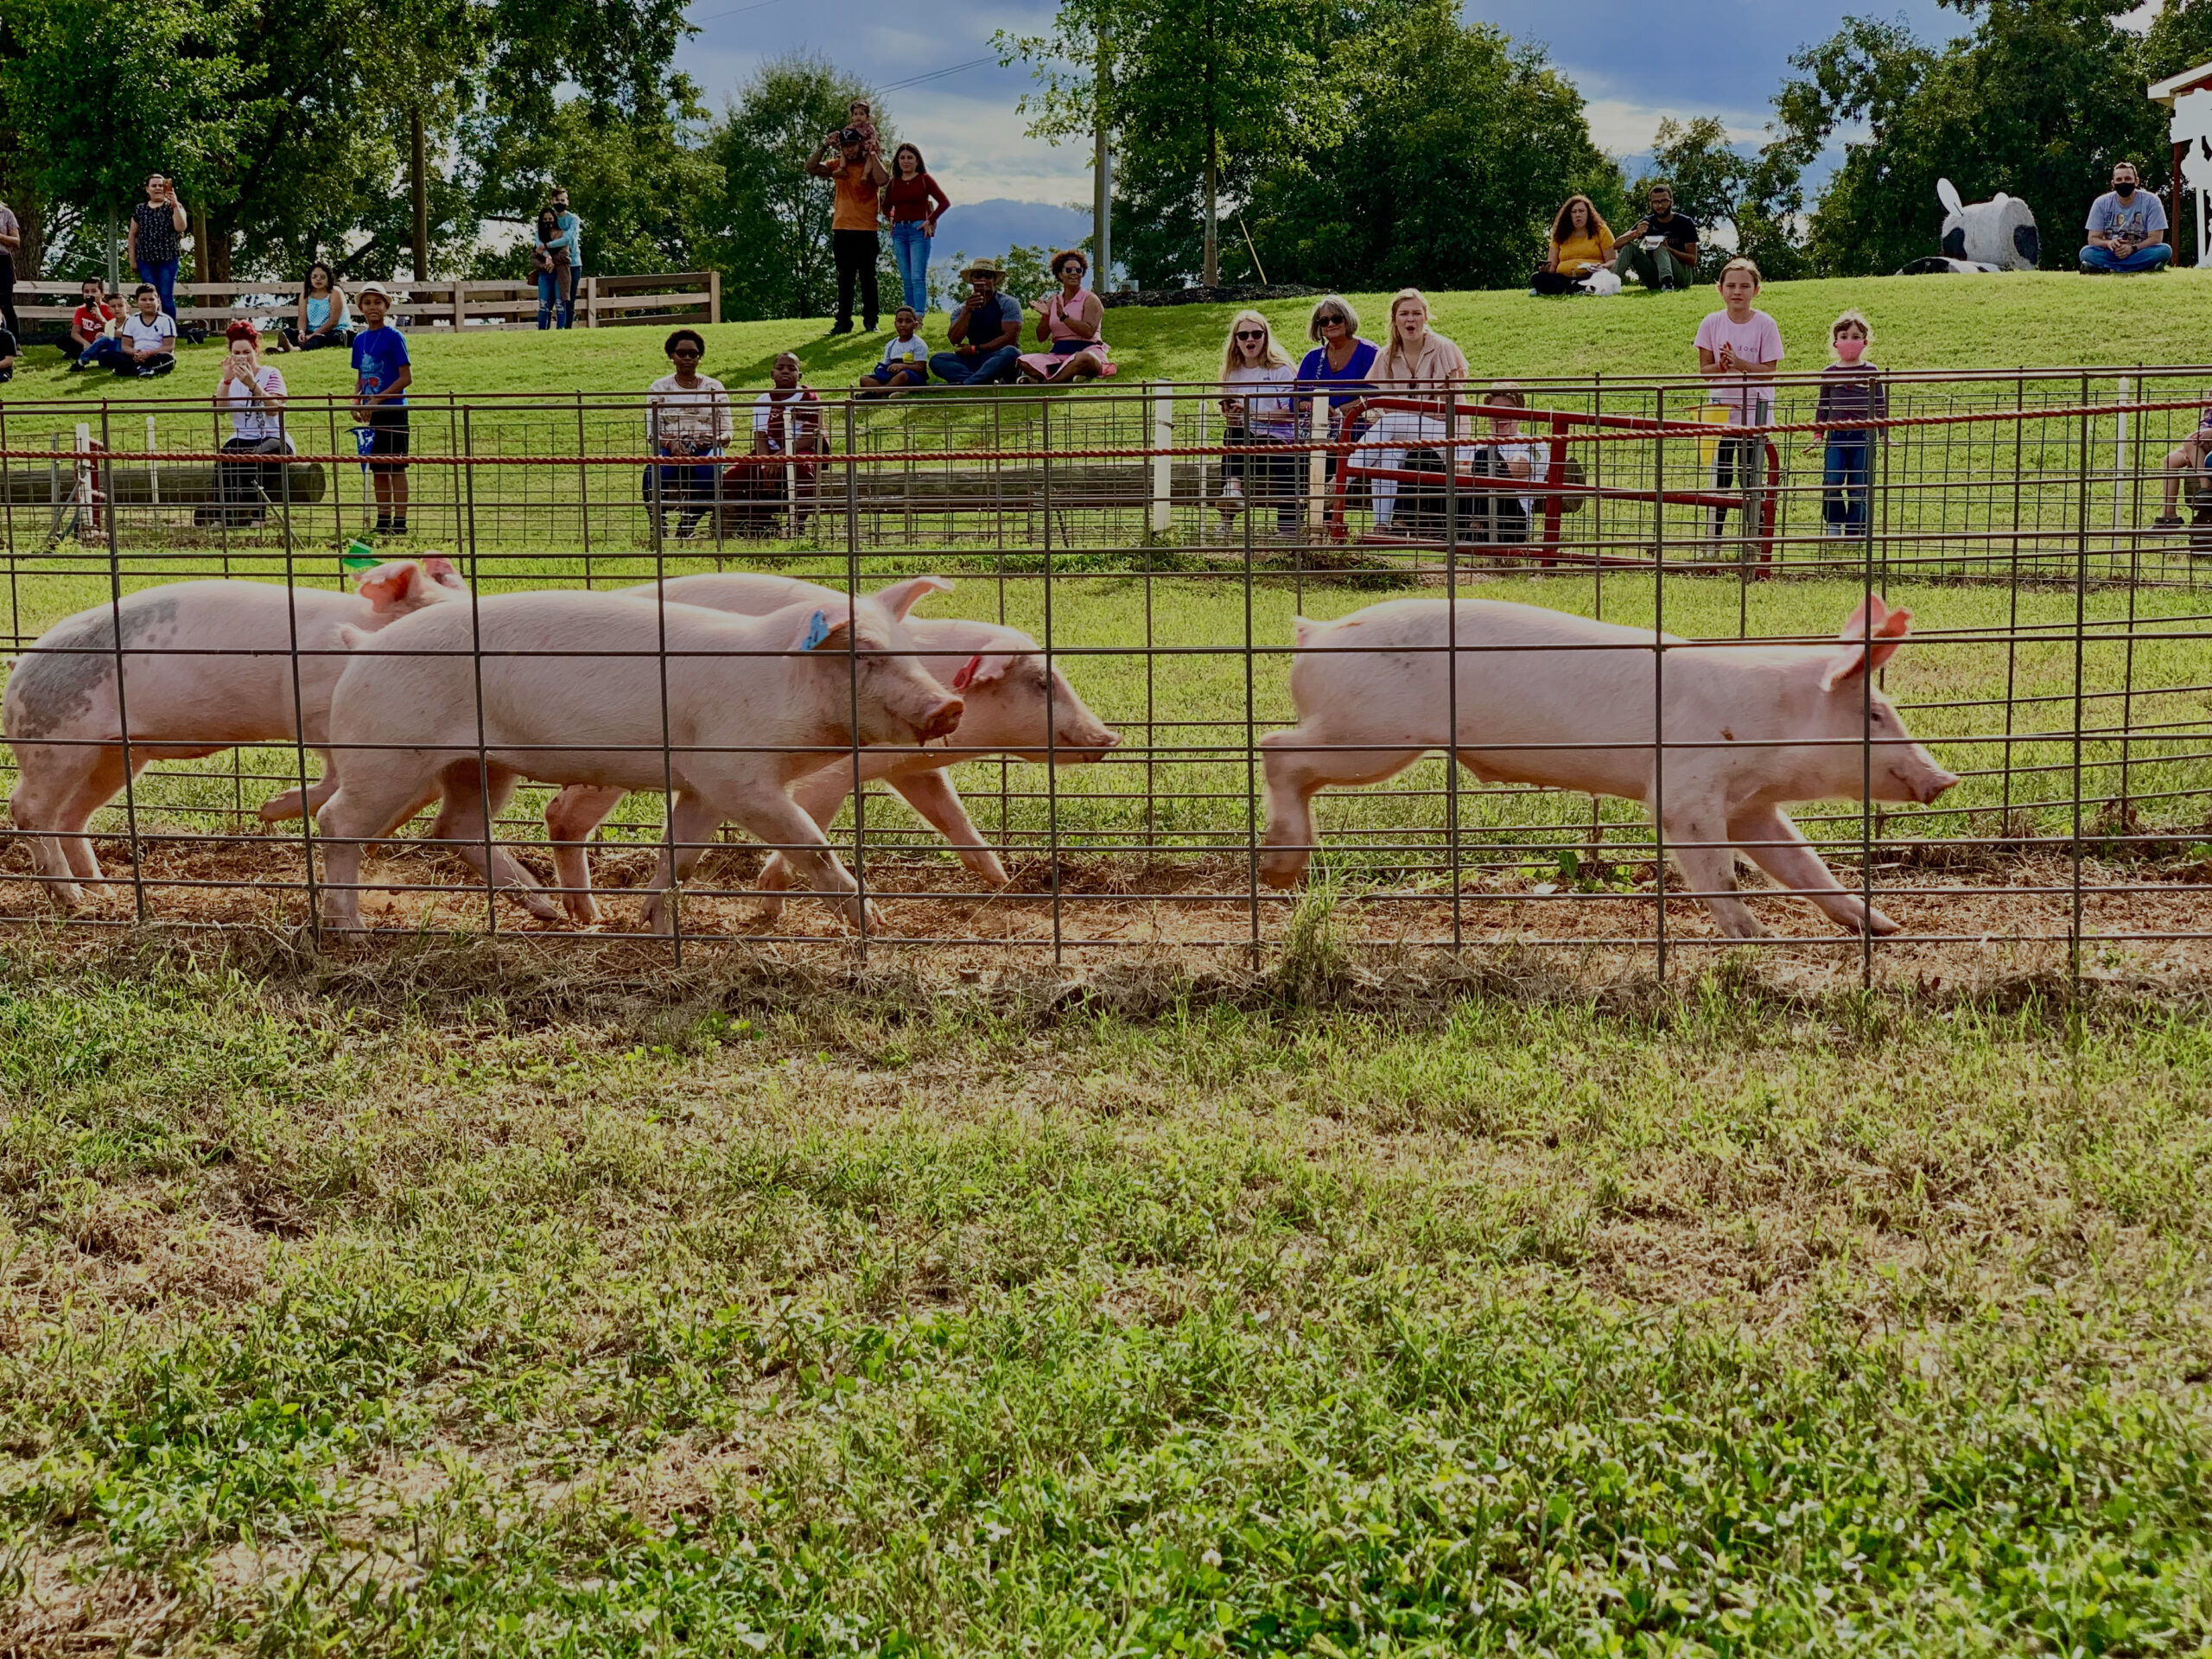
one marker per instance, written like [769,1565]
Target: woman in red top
[914,204]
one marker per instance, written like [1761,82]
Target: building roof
[2165,91]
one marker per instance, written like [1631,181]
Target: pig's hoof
[772,906]
[870,918]
[540,907]
[986,868]
[1281,875]
[583,908]
[1881,925]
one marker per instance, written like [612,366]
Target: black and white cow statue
[1996,235]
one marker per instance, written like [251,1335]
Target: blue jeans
[163,277]
[2151,258]
[975,370]
[554,293]
[1843,500]
[102,353]
[910,251]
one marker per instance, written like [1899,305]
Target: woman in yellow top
[1581,242]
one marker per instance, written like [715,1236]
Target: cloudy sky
[1636,61]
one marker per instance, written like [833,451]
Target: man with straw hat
[985,333]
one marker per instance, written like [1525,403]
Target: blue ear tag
[816,632]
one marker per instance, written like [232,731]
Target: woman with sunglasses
[1341,362]
[1068,322]
[689,413]
[1263,417]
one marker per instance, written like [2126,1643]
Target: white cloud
[1625,129]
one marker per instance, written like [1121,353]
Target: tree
[1190,81]
[764,223]
[2039,101]
[1457,150]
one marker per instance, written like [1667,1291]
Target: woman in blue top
[1341,362]
[321,319]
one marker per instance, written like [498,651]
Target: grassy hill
[1920,322]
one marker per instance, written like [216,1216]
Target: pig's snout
[1932,786]
[941,721]
[1087,748]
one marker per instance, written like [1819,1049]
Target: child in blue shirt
[906,355]
[382,374]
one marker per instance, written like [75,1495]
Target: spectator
[553,261]
[786,424]
[155,225]
[9,351]
[1069,321]
[2127,228]
[92,322]
[1738,350]
[1417,363]
[860,118]
[1341,362]
[1581,242]
[320,321]
[11,243]
[1851,390]
[253,394]
[689,413]
[906,358]
[1506,517]
[1258,414]
[147,345]
[382,374]
[1660,250]
[2187,460]
[859,176]
[985,333]
[573,228]
[914,204]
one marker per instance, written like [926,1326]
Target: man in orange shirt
[854,159]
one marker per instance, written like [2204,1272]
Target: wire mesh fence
[2045,529]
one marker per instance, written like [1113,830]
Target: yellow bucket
[1708,449]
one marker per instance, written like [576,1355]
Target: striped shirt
[1853,391]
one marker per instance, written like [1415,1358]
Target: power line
[939,74]
[716,16]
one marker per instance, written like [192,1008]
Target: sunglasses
[1251,333]
[1336,323]
[685,351]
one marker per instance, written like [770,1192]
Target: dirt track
[2010,914]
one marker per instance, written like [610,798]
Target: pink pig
[724,712]
[1559,701]
[206,666]
[1013,706]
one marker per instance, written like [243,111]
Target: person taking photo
[851,159]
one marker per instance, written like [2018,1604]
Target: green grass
[2029,319]
[457,1308]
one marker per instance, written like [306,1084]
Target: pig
[727,718]
[206,666]
[998,670]
[1785,724]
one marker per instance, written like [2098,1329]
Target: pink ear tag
[960,681]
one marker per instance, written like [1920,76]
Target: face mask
[2124,190]
[1850,348]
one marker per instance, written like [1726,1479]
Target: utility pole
[1102,197]
[419,189]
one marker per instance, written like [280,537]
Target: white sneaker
[1232,497]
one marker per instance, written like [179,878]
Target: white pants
[1403,429]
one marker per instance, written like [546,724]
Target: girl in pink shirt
[1737,351]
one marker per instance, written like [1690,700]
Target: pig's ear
[824,631]
[982,669]
[1870,641]
[391,586]
[442,570]
[901,597]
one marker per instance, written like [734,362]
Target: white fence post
[1316,464]
[1163,465]
[153,467]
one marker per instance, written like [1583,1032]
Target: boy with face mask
[2128,227]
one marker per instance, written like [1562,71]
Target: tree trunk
[1211,275]
[1210,268]
[212,257]
[419,189]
